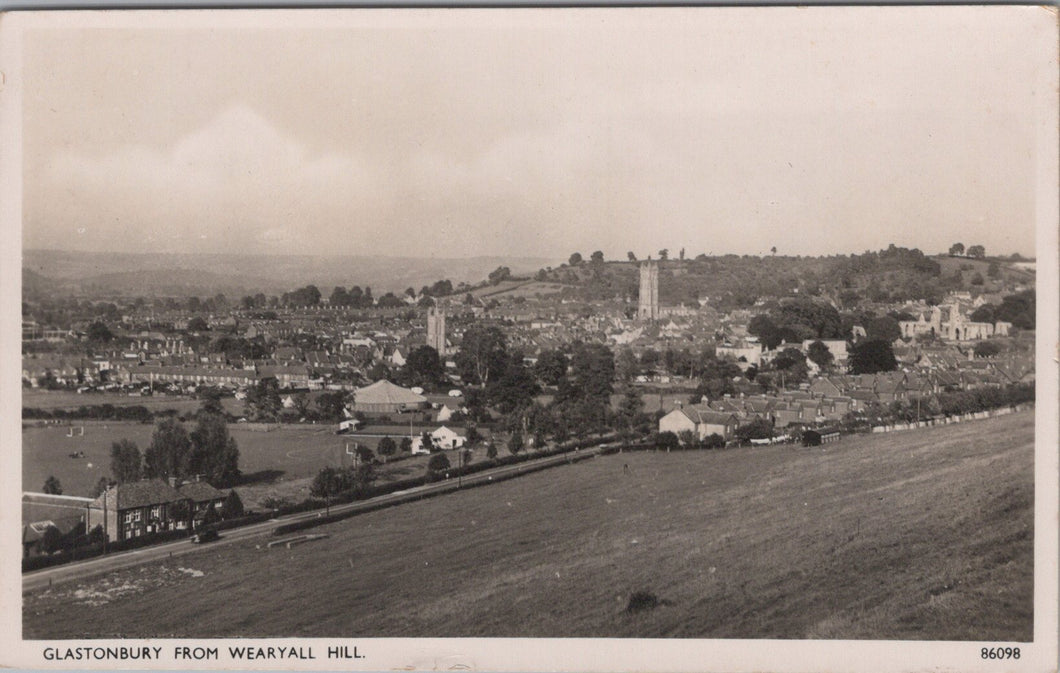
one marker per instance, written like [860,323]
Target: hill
[127,274]
[923,535]
[730,281]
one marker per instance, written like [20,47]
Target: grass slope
[915,535]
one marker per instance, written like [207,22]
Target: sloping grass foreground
[912,535]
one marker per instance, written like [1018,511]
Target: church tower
[436,329]
[648,305]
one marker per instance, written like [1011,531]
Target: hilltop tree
[498,275]
[664,254]
[169,451]
[957,249]
[631,257]
[597,257]
[977,251]
[575,259]
[52,486]
[125,461]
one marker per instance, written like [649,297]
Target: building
[701,421]
[947,322]
[648,304]
[436,329]
[204,497]
[443,438]
[384,397]
[140,508]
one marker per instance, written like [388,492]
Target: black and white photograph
[611,338]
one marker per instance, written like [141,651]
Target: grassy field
[280,463]
[916,535]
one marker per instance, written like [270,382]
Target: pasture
[911,535]
[66,399]
[298,451]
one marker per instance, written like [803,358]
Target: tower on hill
[648,306]
[436,329]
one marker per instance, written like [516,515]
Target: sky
[458,133]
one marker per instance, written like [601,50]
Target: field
[912,535]
[294,451]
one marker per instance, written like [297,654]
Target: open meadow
[923,534]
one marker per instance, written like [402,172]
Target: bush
[642,600]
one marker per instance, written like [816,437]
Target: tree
[198,324]
[52,486]
[551,366]
[233,506]
[263,399]
[515,387]
[667,440]
[214,452]
[499,275]
[993,272]
[491,451]
[575,259]
[759,428]
[339,297]
[483,352]
[629,408]
[125,461]
[437,464]
[427,442]
[987,349]
[687,438]
[423,368]
[328,482]
[597,257]
[52,539]
[331,405]
[99,333]
[406,444]
[883,328]
[631,257]
[387,447]
[515,442]
[977,251]
[773,250]
[977,279]
[956,249]
[871,356]
[820,355]
[664,254]
[169,451]
[301,404]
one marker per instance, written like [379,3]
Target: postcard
[530,339]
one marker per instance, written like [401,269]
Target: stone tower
[648,306]
[436,329]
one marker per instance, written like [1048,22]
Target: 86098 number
[1000,653]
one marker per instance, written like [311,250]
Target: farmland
[918,535]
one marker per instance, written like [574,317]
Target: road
[79,570]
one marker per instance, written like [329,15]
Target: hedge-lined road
[78,570]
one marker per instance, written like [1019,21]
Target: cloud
[236,181]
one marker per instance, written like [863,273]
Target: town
[153,418]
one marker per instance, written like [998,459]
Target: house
[204,497]
[701,421]
[448,408]
[443,438]
[139,508]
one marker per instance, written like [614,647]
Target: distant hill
[732,281]
[150,274]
